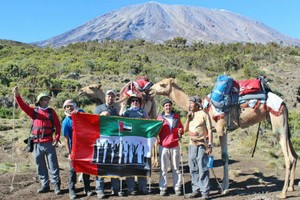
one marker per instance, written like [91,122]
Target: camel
[94,91]
[243,118]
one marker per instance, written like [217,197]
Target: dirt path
[250,178]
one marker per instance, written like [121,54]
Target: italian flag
[111,146]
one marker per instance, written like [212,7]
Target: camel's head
[93,91]
[162,88]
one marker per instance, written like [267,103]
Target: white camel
[243,118]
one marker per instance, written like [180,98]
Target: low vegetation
[64,70]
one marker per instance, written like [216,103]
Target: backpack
[220,96]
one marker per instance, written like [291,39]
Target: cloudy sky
[36,20]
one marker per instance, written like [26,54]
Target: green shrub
[296,144]
[7,113]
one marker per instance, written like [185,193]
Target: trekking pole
[13,157]
[210,166]
[220,186]
[182,172]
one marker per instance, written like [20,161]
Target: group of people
[197,126]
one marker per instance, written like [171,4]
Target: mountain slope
[159,22]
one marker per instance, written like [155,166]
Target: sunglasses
[134,100]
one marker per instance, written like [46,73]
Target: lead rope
[13,150]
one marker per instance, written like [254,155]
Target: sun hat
[41,95]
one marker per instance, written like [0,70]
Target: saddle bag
[250,86]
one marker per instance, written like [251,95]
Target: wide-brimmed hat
[41,95]
[196,100]
[166,101]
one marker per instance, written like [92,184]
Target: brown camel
[243,118]
[94,91]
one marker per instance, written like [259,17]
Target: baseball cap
[196,100]
[110,92]
[166,101]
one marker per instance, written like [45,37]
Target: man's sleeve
[57,126]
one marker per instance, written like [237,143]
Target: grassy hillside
[64,70]
[113,63]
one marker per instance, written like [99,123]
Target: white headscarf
[72,103]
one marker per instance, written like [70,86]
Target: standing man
[131,152]
[45,123]
[98,151]
[121,148]
[198,126]
[105,147]
[135,111]
[107,109]
[70,107]
[140,151]
[169,148]
[113,148]
[126,151]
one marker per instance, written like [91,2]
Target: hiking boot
[194,195]
[178,192]
[44,190]
[88,193]
[204,197]
[57,189]
[131,192]
[143,192]
[163,193]
[100,195]
[72,196]
[120,194]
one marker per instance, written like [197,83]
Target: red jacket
[166,138]
[42,123]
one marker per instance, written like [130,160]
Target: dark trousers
[73,180]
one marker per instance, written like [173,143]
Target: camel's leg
[280,127]
[283,144]
[225,159]
[293,160]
